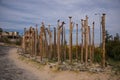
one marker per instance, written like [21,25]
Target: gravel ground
[9,70]
[12,68]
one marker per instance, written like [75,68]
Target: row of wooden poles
[50,46]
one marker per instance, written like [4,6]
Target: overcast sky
[17,14]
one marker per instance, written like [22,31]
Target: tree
[112,46]
[116,38]
[1,30]
[108,37]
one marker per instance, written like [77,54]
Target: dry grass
[31,62]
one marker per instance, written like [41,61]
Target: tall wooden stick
[90,56]
[65,46]
[49,38]
[50,41]
[70,40]
[31,41]
[58,42]
[62,48]
[103,40]
[55,42]
[93,42]
[41,46]
[77,42]
[82,33]
[36,40]
[24,41]
[46,43]
[86,41]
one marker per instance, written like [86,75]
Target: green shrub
[97,55]
[18,43]
[116,52]
[113,46]
[5,40]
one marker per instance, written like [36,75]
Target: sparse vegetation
[113,46]
[31,62]
[97,55]
[5,40]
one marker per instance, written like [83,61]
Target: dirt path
[12,68]
[9,70]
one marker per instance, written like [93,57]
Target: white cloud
[23,13]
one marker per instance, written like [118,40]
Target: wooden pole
[42,40]
[93,42]
[70,40]
[62,48]
[58,40]
[103,40]
[86,41]
[31,40]
[77,42]
[82,35]
[36,40]
[41,46]
[58,43]
[41,43]
[90,56]
[51,49]
[65,46]
[24,41]
[45,41]
[50,41]
[55,42]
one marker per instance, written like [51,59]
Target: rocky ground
[9,70]
[16,67]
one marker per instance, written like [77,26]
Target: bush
[18,43]
[116,52]
[5,40]
[113,46]
[97,55]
